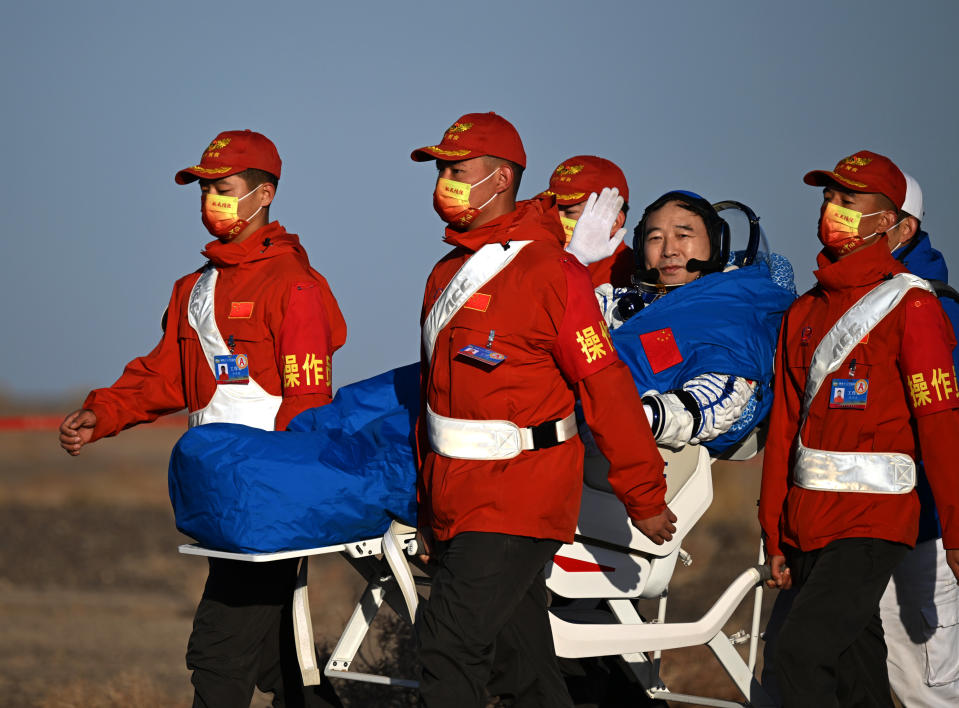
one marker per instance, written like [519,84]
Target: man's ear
[267,193]
[618,223]
[504,177]
[908,229]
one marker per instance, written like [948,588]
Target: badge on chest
[484,355]
[849,393]
[231,369]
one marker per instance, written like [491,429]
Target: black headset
[755,233]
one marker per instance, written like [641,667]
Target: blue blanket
[340,473]
[723,322]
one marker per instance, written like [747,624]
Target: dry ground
[96,604]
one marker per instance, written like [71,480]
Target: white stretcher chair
[609,564]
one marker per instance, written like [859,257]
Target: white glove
[721,399]
[669,419]
[591,241]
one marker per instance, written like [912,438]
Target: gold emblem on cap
[853,163]
[448,153]
[211,170]
[566,172]
[574,195]
[851,182]
[213,149]
[452,133]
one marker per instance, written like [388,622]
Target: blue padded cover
[340,473]
[723,322]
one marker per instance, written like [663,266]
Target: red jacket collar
[865,267]
[266,242]
[535,219]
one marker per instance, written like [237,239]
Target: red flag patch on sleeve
[241,310]
[478,301]
[661,350]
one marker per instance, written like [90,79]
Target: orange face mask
[219,213]
[451,200]
[568,226]
[839,229]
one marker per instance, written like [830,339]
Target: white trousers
[920,618]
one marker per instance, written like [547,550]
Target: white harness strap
[248,404]
[872,472]
[482,267]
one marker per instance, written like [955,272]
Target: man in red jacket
[571,184]
[512,335]
[248,338]
[859,392]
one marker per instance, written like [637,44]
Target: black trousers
[243,637]
[830,649]
[487,617]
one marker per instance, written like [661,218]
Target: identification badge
[482,355]
[849,393]
[232,369]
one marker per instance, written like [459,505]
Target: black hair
[716,229]
[254,177]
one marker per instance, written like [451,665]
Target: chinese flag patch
[661,350]
[478,301]
[241,310]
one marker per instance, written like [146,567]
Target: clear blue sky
[104,102]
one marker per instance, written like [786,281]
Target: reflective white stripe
[248,404]
[486,439]
[871,472]
[855,324]
[482,267]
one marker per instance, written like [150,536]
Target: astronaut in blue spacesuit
[698,327]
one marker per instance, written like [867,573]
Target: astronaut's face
[673,236]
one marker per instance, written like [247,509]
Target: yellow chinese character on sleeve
[313,365]
[329,377]
[591,345]
[605,330]
[919,390]
[291,371]
[943,384]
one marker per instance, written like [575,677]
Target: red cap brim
[822,178]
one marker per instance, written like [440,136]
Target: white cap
[913,202]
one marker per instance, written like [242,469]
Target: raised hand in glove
[591,241]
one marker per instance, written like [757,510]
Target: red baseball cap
[575,178]
[866,172]
[475,135]
[231,152]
